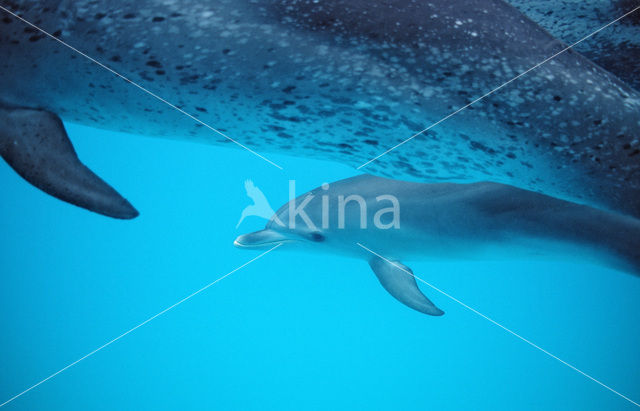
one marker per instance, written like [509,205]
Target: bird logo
[260,207]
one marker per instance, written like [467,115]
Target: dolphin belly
[616,49]
[341,80]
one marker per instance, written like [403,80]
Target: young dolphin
[398,220]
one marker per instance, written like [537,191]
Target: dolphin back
[622,235]
[608,236]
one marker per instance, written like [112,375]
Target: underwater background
[289,331]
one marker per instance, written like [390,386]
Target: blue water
[288,331]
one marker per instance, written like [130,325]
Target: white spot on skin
[362,104]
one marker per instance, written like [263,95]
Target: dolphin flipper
[35,144]
[399,281]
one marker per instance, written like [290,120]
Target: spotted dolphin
[386,222]
[616,49]
[337,79]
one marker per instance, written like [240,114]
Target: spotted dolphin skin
[337,79]
[356,217]
[616,49]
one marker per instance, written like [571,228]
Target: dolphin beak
[260,239]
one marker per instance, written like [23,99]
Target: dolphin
[385,222]
[343,80]
[616,49]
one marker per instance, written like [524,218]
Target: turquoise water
[288,331]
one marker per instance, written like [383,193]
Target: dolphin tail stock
[399,281]
[35,144]
[622,235]
[613,238]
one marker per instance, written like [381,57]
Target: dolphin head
[294,234]
[307,223]
[331,218]
[270,237]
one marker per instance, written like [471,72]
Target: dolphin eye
[316,236]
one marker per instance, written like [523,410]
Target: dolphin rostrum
[338,79]
[386,221]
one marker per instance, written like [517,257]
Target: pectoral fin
[36,145]
[399,281]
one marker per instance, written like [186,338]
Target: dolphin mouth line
[260,245]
